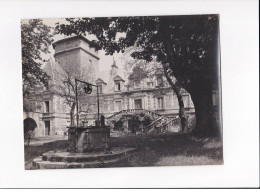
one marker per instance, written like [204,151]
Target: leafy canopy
[185,45]
[36,38]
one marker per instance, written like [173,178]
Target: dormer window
[137,85]
[100,88]
[117,86]
[118,83]
[159,81]
[101,85]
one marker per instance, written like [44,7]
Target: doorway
[47,127]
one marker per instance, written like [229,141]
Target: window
[159,81]
[117,86]
[149,84]
[137,84]
[118,106]
[138,103]
[47,106]
[148,102]
[160,102]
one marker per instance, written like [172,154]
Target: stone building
[122,99]
[125,104]
[50,112]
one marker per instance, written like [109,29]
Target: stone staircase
[164,124]
[62,159]
[160,123]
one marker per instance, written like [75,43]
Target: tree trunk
[177,90]
[166,37]
[205,120]
[28,141]
[199,89]
[182,113]
[72,119]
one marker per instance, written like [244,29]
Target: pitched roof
[54,70]
[108,77]
[100,81]
[118,78]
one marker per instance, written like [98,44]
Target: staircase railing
[135,111]
[167,125]
[171,124]
[149,128]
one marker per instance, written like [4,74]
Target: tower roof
[71,38]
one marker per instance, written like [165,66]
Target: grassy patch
[176,151]
[154,150]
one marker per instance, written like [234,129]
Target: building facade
[50,111]
[120,99]
[149,97]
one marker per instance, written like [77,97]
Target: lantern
[88,89]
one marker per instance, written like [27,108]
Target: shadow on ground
[172,150]
[175,149]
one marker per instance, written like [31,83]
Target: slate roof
[53,68]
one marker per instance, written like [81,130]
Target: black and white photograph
[147,94]
[121,91]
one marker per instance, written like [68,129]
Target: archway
[134,125]
[118,126]
[29,124]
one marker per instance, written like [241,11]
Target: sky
[105,61]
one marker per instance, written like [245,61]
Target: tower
[75,54]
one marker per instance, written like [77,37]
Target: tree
[36,38]
[186,46]
[64,86]
[141,70]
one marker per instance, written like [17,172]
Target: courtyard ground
[175,149]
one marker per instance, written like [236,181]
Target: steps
[164,124]
[62,159]
[41,164]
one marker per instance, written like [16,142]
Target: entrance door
[47,127]
[138,103]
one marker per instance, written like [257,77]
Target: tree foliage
[36,38]
[186,46]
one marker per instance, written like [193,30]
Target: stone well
[89,147]
[87,139]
